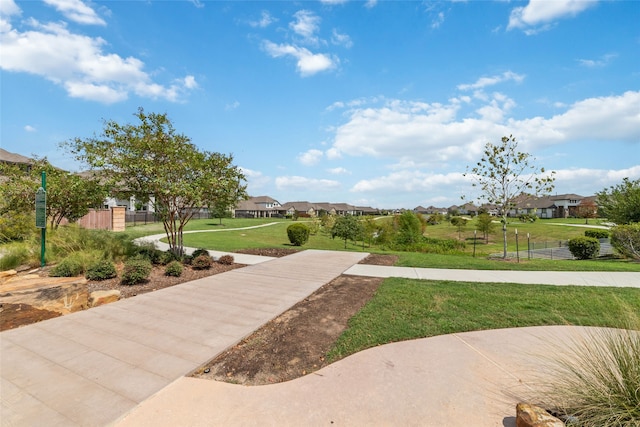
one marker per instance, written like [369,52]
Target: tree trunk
[504,238]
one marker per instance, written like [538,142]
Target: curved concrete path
[466,379]
[88,368]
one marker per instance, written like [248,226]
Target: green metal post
[43,231]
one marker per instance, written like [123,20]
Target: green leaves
[151,161]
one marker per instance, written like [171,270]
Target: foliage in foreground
[621,204]
[597,384]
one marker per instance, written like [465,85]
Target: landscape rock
[533,416]
[97,298]
[63,295]
[7,273]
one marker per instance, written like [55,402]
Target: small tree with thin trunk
[503,173]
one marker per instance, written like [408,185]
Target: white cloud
[423,134]
[311,157]
[338,171]
[538,15]
[333,2]
[306,24]
[483,82]
[438,20]
[601,62]
[8,8]
[232,106]
[265,20]
[370,4]
[77,11]
[308,63]
[78,63]
[300,183]
[341,39]
[29,128]
[256,180]
[583,180]
[409,181]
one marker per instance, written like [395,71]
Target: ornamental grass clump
[598,383]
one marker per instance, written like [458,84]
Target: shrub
[187,259]
[226,260]
[136,270]
[198,252]
[16,254]
[298,234]
[584,247]
[202,262]
[149,252]
[598,382]
[626,240]
[597,234]
[69,267]
[174,268]
[409,228]
[101,270]
[165,258]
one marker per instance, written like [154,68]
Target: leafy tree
[587,209]
[459,223]
[347,227]
[626,240]
[151,161]
[69,195]
[409,228]
[503,173]
[621,204]
[485,225]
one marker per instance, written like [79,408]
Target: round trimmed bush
[101,270]
[584,247]
[136,270]
[597,234]
[68,267]
[202,262]
[174,268]
[298,234]
[226,260]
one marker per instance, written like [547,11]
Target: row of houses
[557,206]
[268,207]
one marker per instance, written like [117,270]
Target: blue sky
[378,103]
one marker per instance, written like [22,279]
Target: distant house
[23,162]
[258,207]
[303,208]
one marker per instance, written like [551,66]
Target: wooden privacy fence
[103,219]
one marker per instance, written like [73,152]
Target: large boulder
[533,416]
[63,295]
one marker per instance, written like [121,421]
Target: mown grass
[405,309]
[276,236]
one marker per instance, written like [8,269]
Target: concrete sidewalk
[579,278]
[91,367]
[466,379]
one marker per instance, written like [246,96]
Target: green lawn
[404,309]
[276,236]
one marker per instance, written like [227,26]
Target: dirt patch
[272,252]
[292,345]
[296,342]
[15,315]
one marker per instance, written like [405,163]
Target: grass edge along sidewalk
[404,309]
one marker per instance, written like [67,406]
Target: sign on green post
[41,208]
[41,216]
